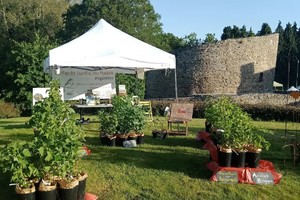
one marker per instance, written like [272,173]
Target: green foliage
[108,123]
[148,167]
[130,117]
[238,127]
[18,159]
[210,38]
[8,110]
[134,86]
[135,17]
[265,30]
[20,20]
[58,138]
[26,71]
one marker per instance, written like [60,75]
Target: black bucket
[68,194]
[104,140]
[119,141]
[81,189]
[238,159]
[252,159]
[140,139]
[47,195]
[224,158]
[29,196]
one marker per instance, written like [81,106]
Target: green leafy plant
[58,138]
[239,130]
[17,158]
[130,117]
[108,123]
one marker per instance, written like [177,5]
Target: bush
[8,110]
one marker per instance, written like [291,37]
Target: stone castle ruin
[232,66]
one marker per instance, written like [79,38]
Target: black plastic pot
[108,141]
[81,189]
[27,194]
[224,158]
[68,190]
[154,133]
[30,196]
[68,194]
[47,195]
[104,140]
[140,139]
[208,127]
[120,140]
[238,159]
[47,192]
[252,159]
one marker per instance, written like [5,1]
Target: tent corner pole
[176,92]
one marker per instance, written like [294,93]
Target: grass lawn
[174,168]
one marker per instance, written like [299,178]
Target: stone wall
[233,66]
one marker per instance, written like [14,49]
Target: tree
[226,33]
[243,32]
[26,71]
[20,21]
[251,33]
[289,49]
[210,38]
[265,30]
[280,72]
[135,17]
[191,40]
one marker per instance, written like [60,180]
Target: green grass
[174,168]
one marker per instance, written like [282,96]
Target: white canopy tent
[106,47]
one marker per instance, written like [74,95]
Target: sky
[182,17]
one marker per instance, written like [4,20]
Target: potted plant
[17,159]
[139,122]
[108,127]
[129,116]
[239,131]
[256,144]
[219,114]
[57,141]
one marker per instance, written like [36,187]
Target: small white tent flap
[107,47]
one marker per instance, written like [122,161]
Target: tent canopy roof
[104,46]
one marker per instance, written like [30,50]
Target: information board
[77,82]
[227,176]
[263,178]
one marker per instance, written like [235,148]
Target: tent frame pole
[176,94]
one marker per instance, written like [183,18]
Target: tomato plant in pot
[56,143]
[108,127]
[17,159]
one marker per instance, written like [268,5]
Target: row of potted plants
[232,129]
[47,164]
[124,121]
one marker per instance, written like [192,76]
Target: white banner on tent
[77,82]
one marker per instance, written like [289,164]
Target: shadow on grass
[6,191]
[168,157]
[14,126]
[5,139]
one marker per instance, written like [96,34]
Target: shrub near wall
[8,110]
[264,112]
